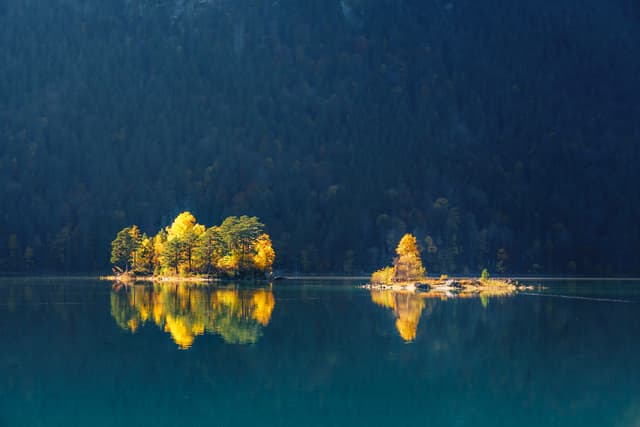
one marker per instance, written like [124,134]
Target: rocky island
[407,274]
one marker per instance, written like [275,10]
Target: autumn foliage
[237,247]
[407,265]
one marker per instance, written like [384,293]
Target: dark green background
[342,125]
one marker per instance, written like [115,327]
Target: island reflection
[408,306]
[186,311]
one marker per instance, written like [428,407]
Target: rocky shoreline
[452,287]
[131,278]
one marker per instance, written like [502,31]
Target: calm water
[76,352]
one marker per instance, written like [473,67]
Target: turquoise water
[76,352]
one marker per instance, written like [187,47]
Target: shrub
[384,276]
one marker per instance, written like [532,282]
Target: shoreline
[156,279]
[198,280]
[453,286]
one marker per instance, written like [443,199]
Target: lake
[76,352]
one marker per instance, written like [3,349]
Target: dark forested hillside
[501,133]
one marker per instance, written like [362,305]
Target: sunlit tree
[159,241]
[186,230]
[384,276]
[265,255]
[408,264]
[134,231]
[239,246]
[240,233]
[229,264]
[144,255]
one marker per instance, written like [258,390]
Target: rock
[423,286]
[453,284]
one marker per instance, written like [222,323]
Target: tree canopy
[407,265]
[238,247]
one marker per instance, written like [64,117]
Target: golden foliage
[159,241]
[407,266]
[383,276]
[408,245]
[181,225]
[229,264]
[265,255]
[238,246]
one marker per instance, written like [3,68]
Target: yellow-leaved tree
[408,264]
[237,247]
[228,265]
[185,231]
[265,255]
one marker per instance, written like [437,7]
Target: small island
[238,248]
[407,274]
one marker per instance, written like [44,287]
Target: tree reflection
[408,306]
[186,311]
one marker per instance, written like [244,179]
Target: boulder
[423,286]
[453,284]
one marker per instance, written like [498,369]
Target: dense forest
[501,134]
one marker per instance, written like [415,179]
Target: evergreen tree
[122,248]
[145,255]
[239,233]
[173,255]
[208,250]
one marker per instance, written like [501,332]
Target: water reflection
[186,311]
[408,306]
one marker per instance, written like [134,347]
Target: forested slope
[502,134]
